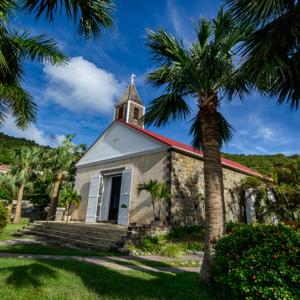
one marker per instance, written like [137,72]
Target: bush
[185,231]
[259,261]
[170,250]
[3,216]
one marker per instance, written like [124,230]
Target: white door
[105,198]
[125,197]
[91,212]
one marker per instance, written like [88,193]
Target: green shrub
[192,246]
[259,261]
[150,244]
[3,216]
[170,250]
[184,231]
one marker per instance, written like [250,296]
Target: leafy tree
[69,198]
[285,188]
[60,165]
[199,73]
[159,192]
[271,49]
[26,161]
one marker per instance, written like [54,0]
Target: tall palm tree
[199,73]
[26,161]
[60,164]
[272,48]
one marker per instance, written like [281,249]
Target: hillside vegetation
[261,163]
[8,144]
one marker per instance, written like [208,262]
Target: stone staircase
[99,236]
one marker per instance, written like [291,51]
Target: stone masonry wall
[187,189]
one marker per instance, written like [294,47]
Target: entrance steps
[98,236]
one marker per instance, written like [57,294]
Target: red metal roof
[189,149]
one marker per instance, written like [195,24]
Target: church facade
[126,154]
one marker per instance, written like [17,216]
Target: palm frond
[38,48]
[165,48]
[257,12]
[16,101]
[203,32]
[166,108]
[92,15]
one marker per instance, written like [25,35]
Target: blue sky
[79,98]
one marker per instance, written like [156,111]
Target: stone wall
[146,167]
[187,189]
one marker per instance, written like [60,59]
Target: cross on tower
[132,78]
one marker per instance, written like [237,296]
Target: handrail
[49,219]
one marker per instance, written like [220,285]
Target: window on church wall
[136,113]
[120,112]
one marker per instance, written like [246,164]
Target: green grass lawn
[63,280]
[10,230]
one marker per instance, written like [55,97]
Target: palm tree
[271,50]
[19,46]
[60,164]
[68,197]
[91,16]
[26,160]
[159,192]
[199,73]
[16,48]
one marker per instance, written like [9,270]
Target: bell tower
[130,108]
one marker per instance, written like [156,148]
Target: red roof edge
[189,149]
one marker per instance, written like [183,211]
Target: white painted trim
[121,157]
[128,110]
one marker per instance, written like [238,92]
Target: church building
[126,154]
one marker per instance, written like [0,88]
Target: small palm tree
[69,198]
[159,192]
[271,49]
[59,165]
[25,164]
[200,73]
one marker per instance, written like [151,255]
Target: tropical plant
[271,49]
[3,216]
[8,192]
[18,46]
[277,196]
[60,163]
[199,73]
[90,16]
[26,162]
[159,192]
[259,262]
[69,198]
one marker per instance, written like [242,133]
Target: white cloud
[31,133]
[82,87]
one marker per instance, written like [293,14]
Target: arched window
[120,112]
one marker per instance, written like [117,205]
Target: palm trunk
[213,181]
[17,216]
[54,197]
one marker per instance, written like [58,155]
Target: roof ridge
[187,148]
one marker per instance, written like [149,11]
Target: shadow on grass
[110,284]
[22,276]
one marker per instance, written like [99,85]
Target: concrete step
[90,232]
[83,244]
[95,226]
[75,236]
[92,236]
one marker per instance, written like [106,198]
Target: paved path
[113,262]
